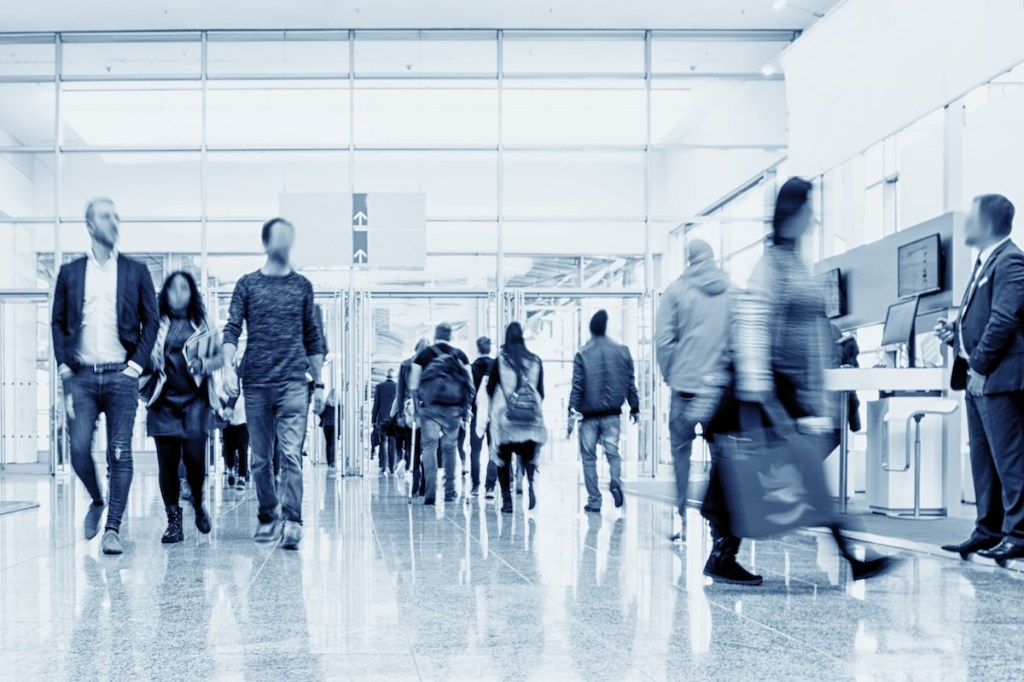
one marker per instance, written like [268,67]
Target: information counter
[890,483]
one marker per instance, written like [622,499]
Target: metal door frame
[648,444]
[55,407]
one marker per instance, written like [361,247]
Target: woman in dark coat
[781,344]
[180,396]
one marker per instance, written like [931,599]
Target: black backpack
[445,382]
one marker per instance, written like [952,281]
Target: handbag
[773,477]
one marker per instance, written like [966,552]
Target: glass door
[557,324]
[32,437]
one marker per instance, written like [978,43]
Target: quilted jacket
[603,379]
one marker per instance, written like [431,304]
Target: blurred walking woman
[781,344]
[180,396]
[515,390]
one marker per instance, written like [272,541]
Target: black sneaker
[449,497]
[617,496]
[428,502]
[592,510]
[506,507]
[533,498]
[474,491]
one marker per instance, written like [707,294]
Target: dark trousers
[170,452]
[388,449]
[716,507]
[476,446]
[995,424]
[236,448]
[526,452]
[115,395]
[330,444]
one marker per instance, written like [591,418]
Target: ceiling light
[768,70]
[779,4]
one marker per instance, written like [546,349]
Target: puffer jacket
[603,379]
[692,329]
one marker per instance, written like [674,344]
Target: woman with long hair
[515,391]
[180,396]
[781,344]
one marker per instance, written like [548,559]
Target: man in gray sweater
[284,344]
[690,335]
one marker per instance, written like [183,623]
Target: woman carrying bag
[512,399]
[776,420]
[180,396]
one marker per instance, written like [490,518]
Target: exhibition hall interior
[534,340]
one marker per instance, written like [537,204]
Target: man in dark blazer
[988,343]
[104,322]
[383,400]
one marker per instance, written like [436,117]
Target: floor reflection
[385,589]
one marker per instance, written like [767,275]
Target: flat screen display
[899,323]
[832,286]
[919,267]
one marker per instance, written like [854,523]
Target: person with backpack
[403,417]
[514,392]
[602,381]
[481,370]
[441,383]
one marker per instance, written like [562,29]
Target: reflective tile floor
[384,590]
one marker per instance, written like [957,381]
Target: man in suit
[988,343]
[383,400]
[105,323]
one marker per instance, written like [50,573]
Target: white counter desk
[926,381]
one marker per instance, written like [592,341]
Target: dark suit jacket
[137,317]
[993,326]
[383,399]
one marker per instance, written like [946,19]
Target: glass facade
[533,148]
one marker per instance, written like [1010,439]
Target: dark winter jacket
[603,379]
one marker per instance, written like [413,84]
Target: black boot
[722,565]
[174,533]
[202,519]
[872,565]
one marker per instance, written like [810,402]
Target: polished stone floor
[384,590]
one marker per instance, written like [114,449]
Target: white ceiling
[136,15]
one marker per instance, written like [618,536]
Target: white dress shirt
[982,260]
[100,343]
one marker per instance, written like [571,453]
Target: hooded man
[690,333]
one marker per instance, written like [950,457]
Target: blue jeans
[277,413]
[682,432]
[440,430]
[606,431]
[115,395]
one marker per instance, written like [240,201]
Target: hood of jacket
[707,277]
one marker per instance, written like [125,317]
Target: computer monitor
[835,299]
[899,326]
[919,267]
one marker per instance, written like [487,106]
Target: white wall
[872,67]
[993,153]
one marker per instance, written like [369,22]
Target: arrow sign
[360,247]
[360,212]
